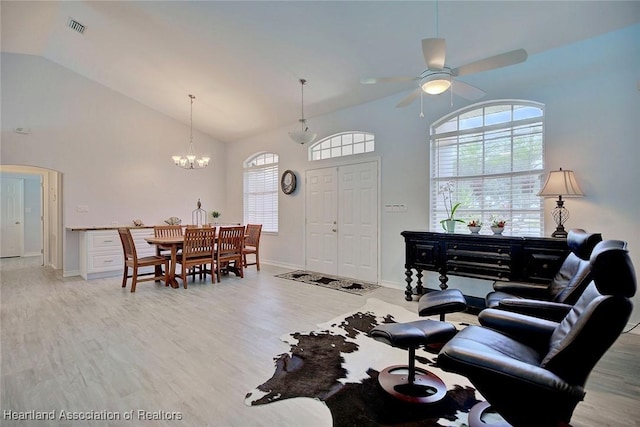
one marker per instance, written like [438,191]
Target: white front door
[322,220]
[358,221]
[11,217]
[342,221]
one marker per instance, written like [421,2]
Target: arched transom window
[342,144]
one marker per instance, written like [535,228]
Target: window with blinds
[491,155]
[261,191]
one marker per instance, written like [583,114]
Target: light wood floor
[68,344]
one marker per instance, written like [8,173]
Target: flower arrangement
[474,223]
[215,214]
[498,222]
[446,190]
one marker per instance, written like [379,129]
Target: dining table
[174,244]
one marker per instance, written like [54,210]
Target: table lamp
[560,183]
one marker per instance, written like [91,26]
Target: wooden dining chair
[132,261]
[198,252]
[166,231]
[252,244]
[229,249]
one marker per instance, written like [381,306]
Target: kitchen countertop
[106,227]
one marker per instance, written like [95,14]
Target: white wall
[592,127]
[114,153]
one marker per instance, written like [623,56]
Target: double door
[342,221]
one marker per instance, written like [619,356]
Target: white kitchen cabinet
[101,252]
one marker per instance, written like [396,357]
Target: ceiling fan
[438,77]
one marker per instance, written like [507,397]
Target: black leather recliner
[551,301]
[532,371]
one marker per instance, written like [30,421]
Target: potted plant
[474,226]
[449,223]
[497,225]
[215,215]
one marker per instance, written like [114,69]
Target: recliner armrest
[529,330]
[549,310]
[523,289]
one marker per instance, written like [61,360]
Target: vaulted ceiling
[242,60]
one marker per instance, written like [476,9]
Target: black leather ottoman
[441,302]
[409,383]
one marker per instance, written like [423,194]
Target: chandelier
[302,136]
[191,161]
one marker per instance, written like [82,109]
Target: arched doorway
[41,222]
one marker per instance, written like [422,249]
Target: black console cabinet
[491,257]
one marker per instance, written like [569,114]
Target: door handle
[334,229]
[17,222]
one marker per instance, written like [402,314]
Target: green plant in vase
[215,215]
[449,223]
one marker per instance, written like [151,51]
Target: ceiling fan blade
[498,61]
[409,99]
[374,80]
[466,90]
[434,51]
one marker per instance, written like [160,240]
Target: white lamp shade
[302,136]
[561,183]
[436,83]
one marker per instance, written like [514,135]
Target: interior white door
[322,220]
[11,216]
[358,221]
[342,221]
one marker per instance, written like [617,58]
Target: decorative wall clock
[288,182]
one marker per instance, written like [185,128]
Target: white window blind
[261,191]
[492,154]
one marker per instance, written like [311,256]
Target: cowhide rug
[339,364]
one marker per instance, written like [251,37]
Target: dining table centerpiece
[449,223]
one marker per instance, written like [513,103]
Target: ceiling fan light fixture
[436,83]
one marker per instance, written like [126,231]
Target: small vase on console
[497,230]
[450,226]
[474,229]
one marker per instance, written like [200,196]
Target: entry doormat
[338,365]
[357,287]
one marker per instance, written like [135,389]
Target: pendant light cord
[437,19]
[302,120]
[191,120]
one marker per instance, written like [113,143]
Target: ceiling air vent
[76,26]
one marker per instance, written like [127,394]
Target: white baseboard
[281,265]
[393,285]
[70,273]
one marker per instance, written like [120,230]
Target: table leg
[408,293]
[443,278]
[172,267]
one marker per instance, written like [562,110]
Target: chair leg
[166,273]
[257,260]
[240,268]
[124,276]
[134,280]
